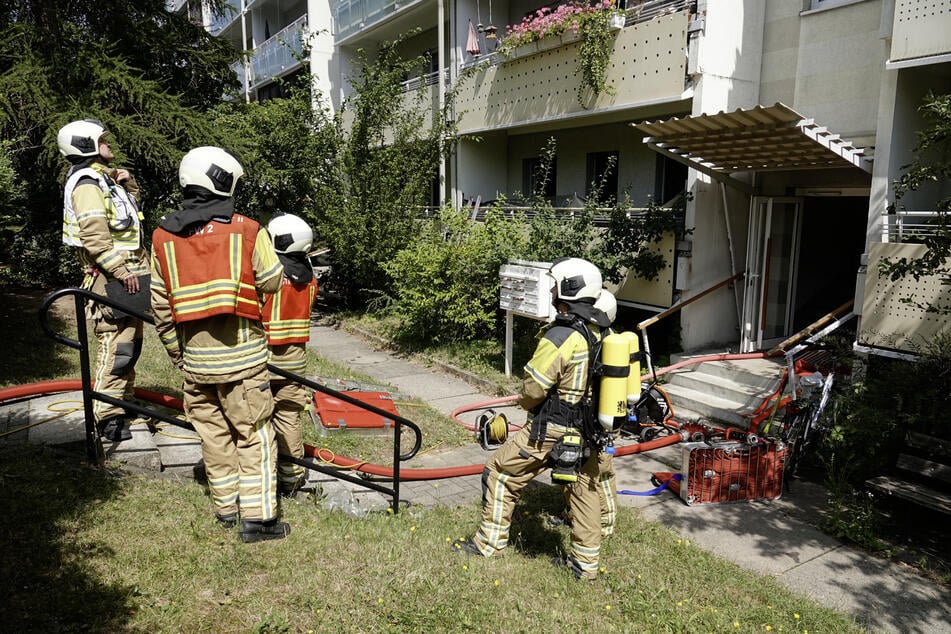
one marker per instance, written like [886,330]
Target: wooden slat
[923,467]
[929,444]
[917,493]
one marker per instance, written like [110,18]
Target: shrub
[447,282]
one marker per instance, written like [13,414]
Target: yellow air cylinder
[616,365]
[634,378]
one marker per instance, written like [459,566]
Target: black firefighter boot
[115,428]
[258,531]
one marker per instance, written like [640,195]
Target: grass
[103,551]
[90,550]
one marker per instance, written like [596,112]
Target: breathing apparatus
[566,456]
[492,429]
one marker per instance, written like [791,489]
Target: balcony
[648,65]
[231,13]
[352,15]
[919,30]
[279,54]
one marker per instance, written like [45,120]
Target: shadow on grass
[530,532]
[46,580]
[30,355]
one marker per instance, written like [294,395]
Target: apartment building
[787,121]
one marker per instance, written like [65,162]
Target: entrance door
[772,254]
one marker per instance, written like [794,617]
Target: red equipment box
[732,472]
[336,414]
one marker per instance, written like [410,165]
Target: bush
[447,281]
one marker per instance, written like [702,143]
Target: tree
[147,74]
[382,175]
[930,168]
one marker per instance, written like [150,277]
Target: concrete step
[714,408]
[756,373]
[731,388]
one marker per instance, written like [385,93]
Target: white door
[772,254]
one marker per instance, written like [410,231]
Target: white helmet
[605,309]
[290,234]
[80,138]
[211,168]
[575,279]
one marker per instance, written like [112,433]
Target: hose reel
[492,429]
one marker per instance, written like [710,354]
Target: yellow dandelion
[412,528]
[465,567]
[680,541]
[497,582]
[680,604]
[607,607]
[638,576]
[795,616]
[736,624]
[380,600]
[449,539]
[768,628]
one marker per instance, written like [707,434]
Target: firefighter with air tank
[563,431]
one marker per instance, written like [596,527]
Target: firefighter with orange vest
[212,266]
[286,317]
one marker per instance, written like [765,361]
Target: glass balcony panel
[220,23]
[278,54]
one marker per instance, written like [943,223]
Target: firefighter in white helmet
[286,317]
[555,391]
[211,265]
[101,219]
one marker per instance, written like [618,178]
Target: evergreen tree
[147,74]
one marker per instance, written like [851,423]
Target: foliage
[147,74]
[627,239]
[284,146]
[930,168]
[594,55]
[383,169]
[447,281]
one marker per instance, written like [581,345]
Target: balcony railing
[908,226]
[352,15]
[220,23]
[919,30]
[648,64]
[280,53]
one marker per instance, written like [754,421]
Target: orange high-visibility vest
[210,272]
[286,314]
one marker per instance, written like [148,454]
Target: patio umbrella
[472,44]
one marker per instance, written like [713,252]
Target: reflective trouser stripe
[585,504]
[607,492]
[112,335]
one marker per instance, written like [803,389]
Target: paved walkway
[769,537]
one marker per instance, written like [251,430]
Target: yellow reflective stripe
[169,248]
[91,213]
[235,255]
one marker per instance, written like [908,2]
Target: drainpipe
[441,56]
[245,62]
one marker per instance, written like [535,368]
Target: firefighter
[286,317]
[101,219]
[556,393]
[212,265]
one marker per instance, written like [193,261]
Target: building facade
[787,121]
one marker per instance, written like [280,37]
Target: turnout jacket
[559,367]
[286,318]
[206,296]
[101,218]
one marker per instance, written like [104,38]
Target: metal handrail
[642,326]
[94,448]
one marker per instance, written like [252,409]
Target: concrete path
[769,537]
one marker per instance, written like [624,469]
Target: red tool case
[717,472]
[336,414]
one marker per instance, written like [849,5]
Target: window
[670,178]
[536,180]
[601,170]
